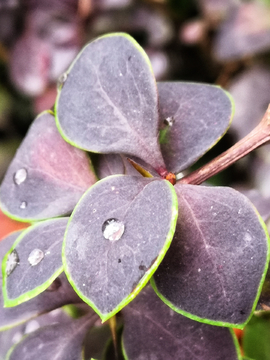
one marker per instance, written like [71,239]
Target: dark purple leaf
[96,342]
[215,267]
[116,238]
[58,294]
[193,117]
[38,250]
[108,103]
[54,342]
[153,331]
[12,336]
[47,176]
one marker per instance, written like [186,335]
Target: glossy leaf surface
[198,115]
[108,104]
[47,175]
[58,294]
[106,273]
[39,261]
[216,264]
[55,342]
[153,331]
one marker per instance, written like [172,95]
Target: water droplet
[61,80]
[23,205]
[35,257]
[113,229]
[17,337]
[12,262]
[20,176]
[31,326]
[169,121]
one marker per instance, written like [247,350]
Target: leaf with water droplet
[55,342]
[109,101]
[38,249]
[47,176]
[215,247]
[42,303]
[153,331]
[108,271]
[198,114]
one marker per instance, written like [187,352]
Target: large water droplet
[113,229]
[20,176]
[35,257]
[23,205]
[169,121]
[12,262]
[61,80]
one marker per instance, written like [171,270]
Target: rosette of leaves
[208,263]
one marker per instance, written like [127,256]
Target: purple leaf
[47,176]
[197,116]
[153,331]
[115,239]
[215,267]
[38,250]
[108,103]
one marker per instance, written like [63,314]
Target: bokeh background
[222,42]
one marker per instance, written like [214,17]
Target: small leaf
[58,294]
[38,262]
[153,331]
[55,342]
[46,177]
[215,267]
[116,238]
[198,116]
[108,103]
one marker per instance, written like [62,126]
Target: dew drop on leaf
[169,121]
[23,205]
[113,229]
[35,257]
[61,80]
[12,262]
[20,176]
